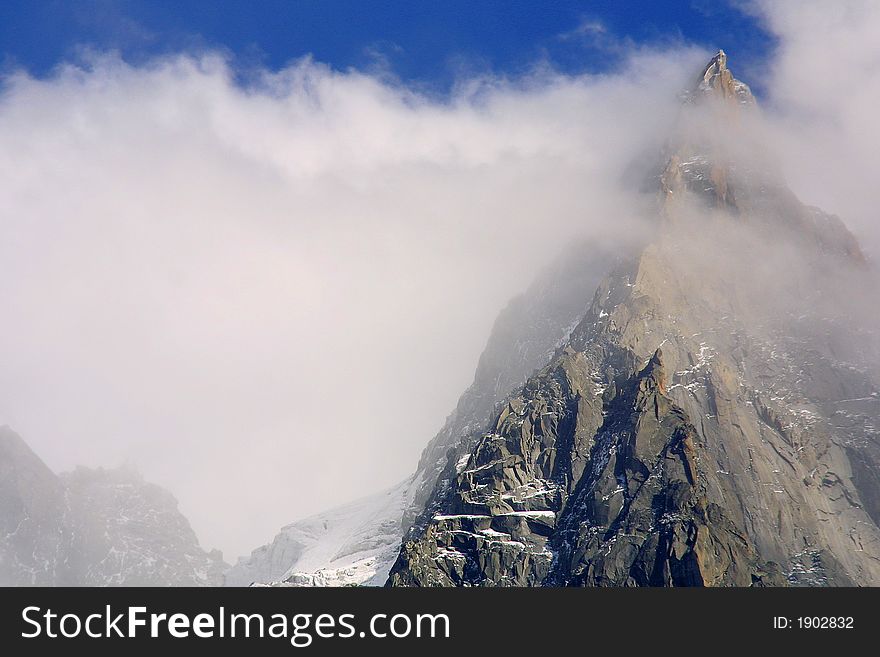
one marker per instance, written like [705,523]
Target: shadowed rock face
[92,528]
[711,419]
[648,513]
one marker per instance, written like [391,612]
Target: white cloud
[269,297]
[824,90]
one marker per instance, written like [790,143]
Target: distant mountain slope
[33,513]
[353,544]
[92,528]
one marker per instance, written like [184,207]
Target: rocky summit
[708,419]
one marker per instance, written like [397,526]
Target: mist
[823,87]
[266,289]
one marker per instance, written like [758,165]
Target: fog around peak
[268,295]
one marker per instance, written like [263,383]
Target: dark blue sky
[423,42]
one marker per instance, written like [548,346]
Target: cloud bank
[267,295]
[824,88]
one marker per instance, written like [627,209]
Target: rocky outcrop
[92,528]
[524,337]
[707,422]
[716,81]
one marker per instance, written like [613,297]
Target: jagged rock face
[92,528]
[492,525]
[710,421]
[643,514]
[524,337]
[644,459]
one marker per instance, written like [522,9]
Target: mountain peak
[719,61]
[717,81]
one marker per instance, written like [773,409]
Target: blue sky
[423,43]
